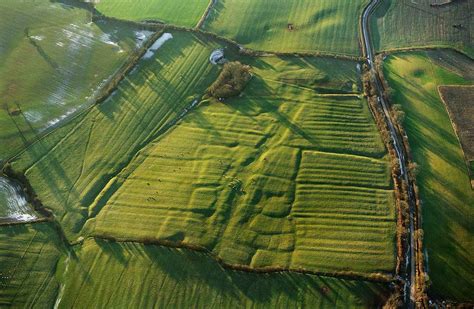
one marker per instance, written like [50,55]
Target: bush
[232,80]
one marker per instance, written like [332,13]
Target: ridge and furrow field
[177,12]
[38,271]
[181,278]
[101,142]
[54,42]
[28,258]
[402,24]
[326,26]
[227,178]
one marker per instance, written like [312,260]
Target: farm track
[400,149]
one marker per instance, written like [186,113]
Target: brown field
[453,61]
[458,100]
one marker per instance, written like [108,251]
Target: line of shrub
[350,275]
[422,280]
[129,64]
[203,18]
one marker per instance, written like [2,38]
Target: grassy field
[461,111]
[283,176]
[70,167]
[177,12]
[443,177]
[36,271]
[326,26]
[28,258]
[52,60]
[406,23]
[133,275]
[236,178]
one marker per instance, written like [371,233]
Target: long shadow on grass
[268,106]
[184,269]
[449,258]
[318,18]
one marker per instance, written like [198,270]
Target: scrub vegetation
[231,81]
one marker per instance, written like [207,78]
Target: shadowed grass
[177,12]
[316,26]
[443,179]
[29,255]
[133,275]
[406,23]
[52,60]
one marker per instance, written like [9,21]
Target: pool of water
[13,204]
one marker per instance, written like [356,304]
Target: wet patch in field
[13,204]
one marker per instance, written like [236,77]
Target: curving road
[397,141]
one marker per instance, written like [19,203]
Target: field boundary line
[15,222]
[106,91]
[455,127]
[305,88]
[349,275]
[157,25]
[206,14]
[390,51]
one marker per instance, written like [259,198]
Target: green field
[52,61]
[327,26]
[283,176]
[133,275]
[443,179]
[37,271]
[69,168]
[177,12]
[414,24]
[287,175]
[133,178]
[29,255]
